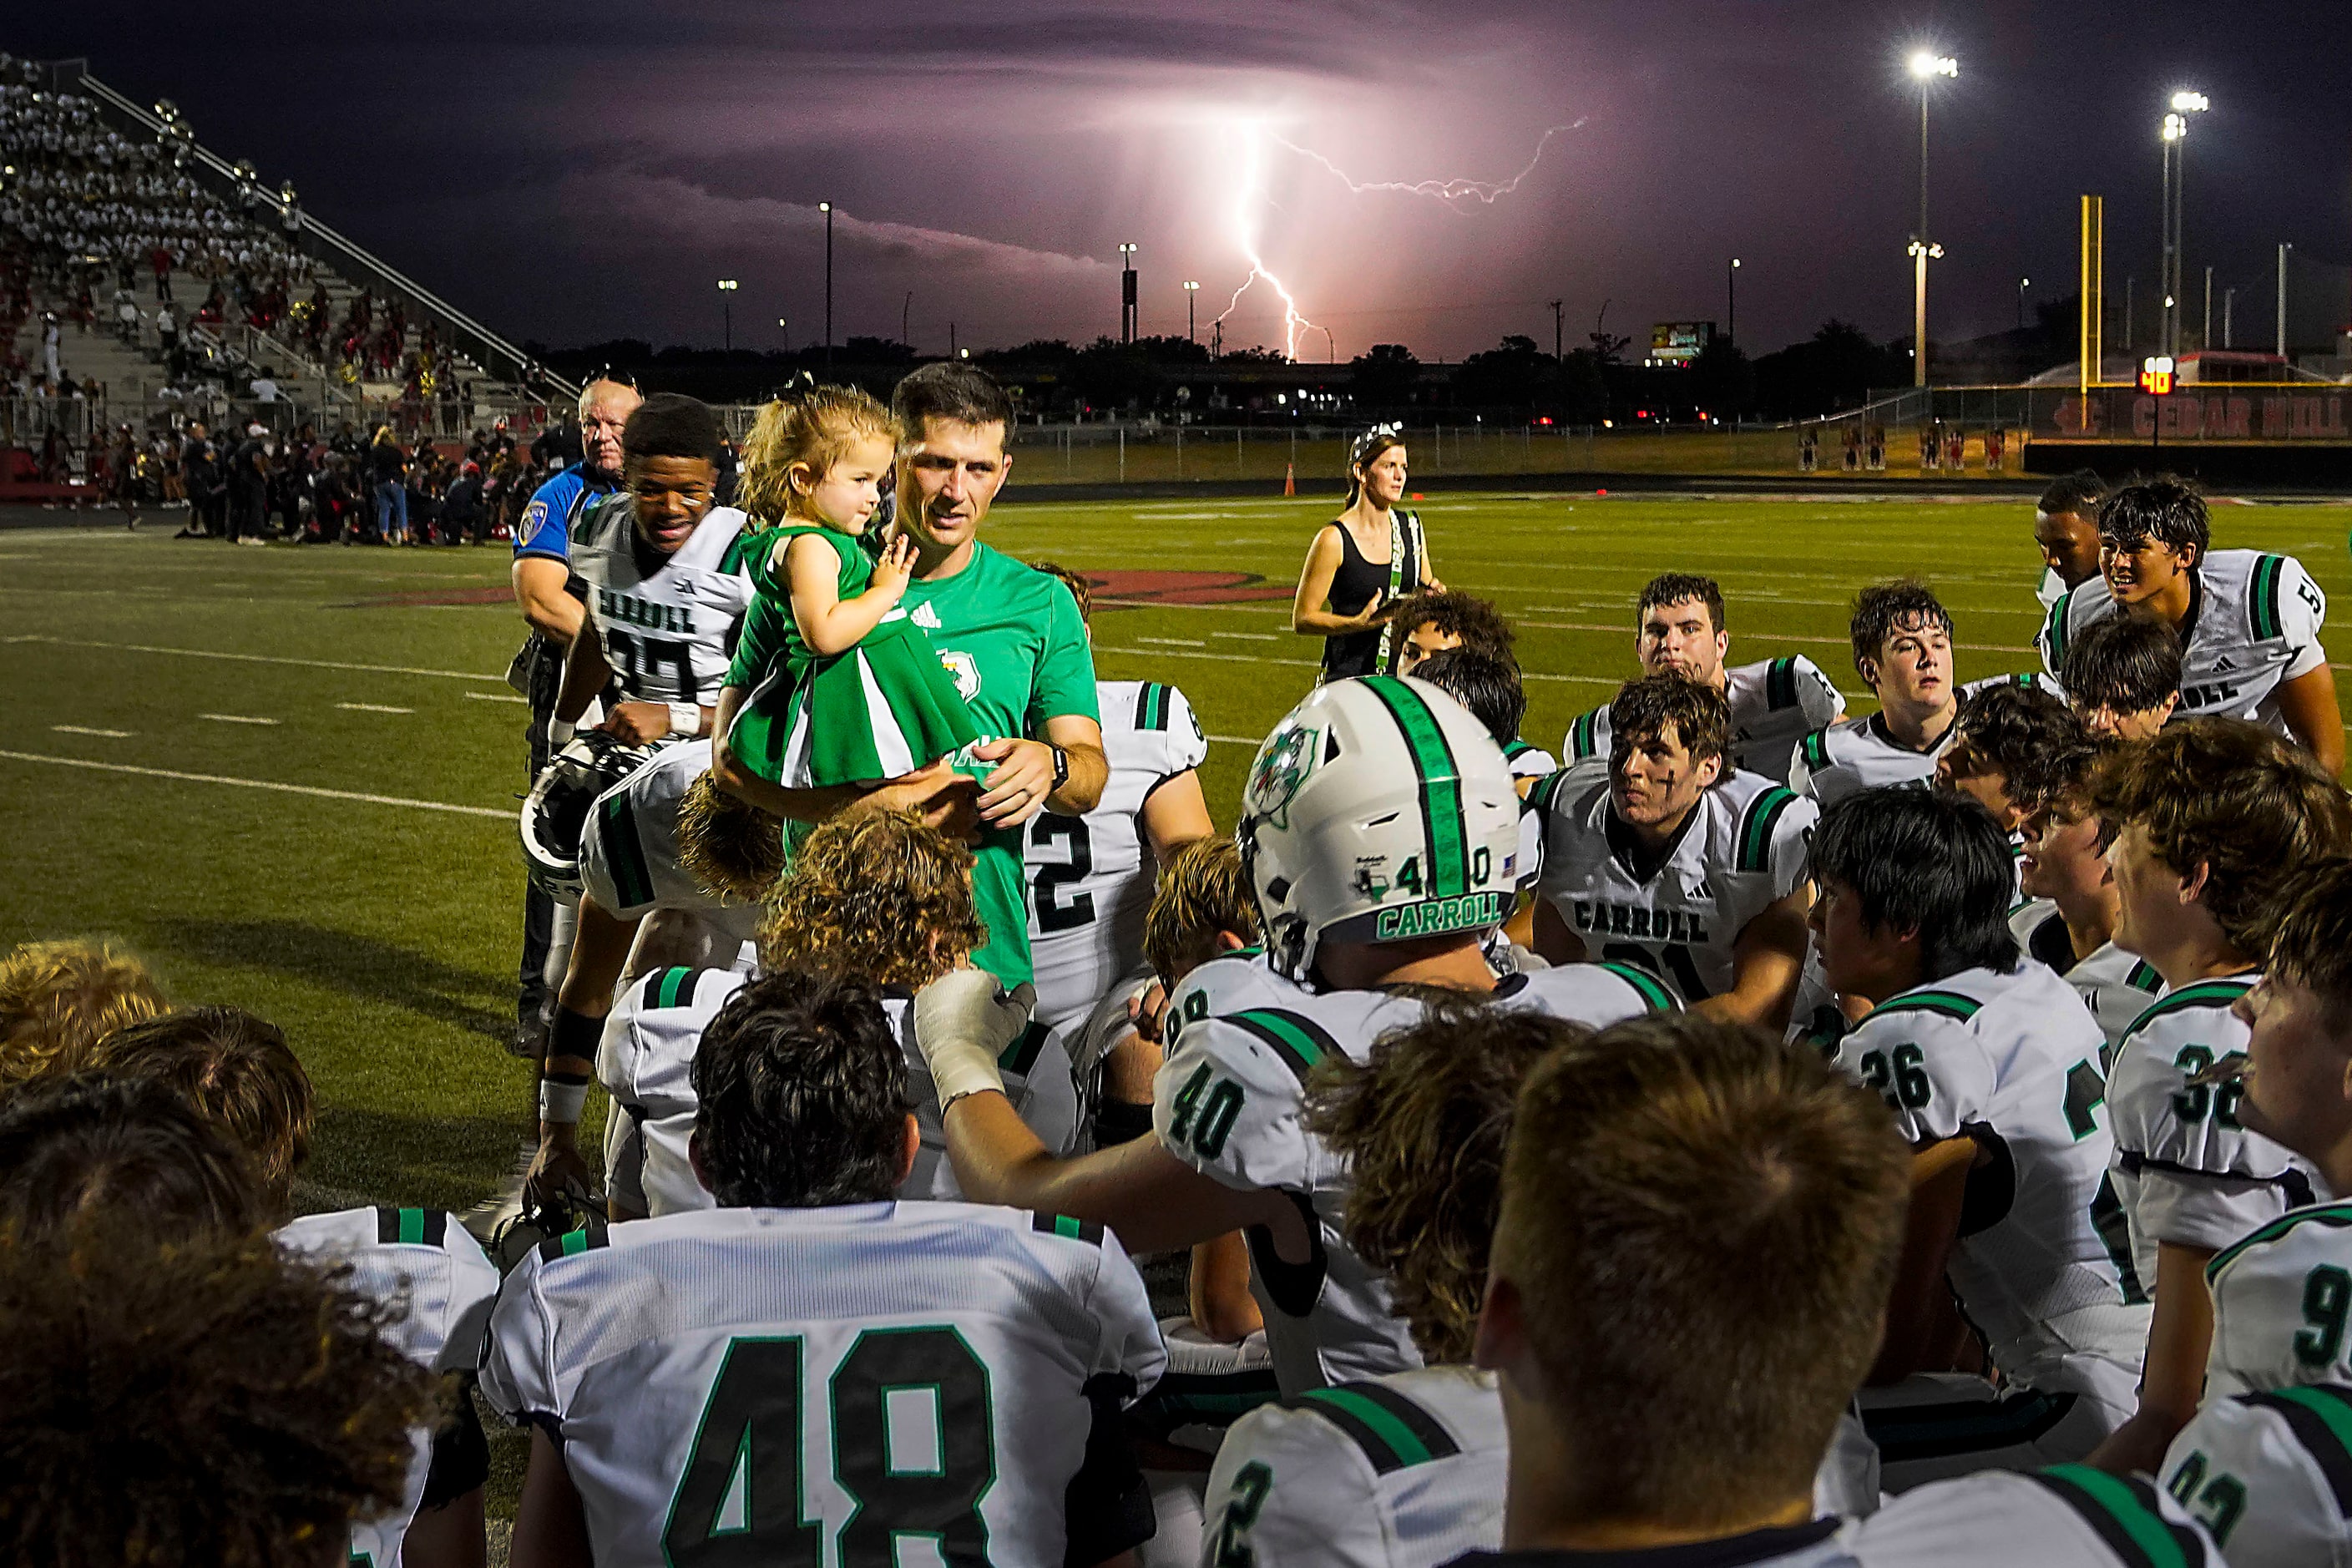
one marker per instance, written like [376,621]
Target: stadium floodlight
[826,208]
[2190,102]
[1926,64]
[727,286]
[1925,67]
[2175,127]
[1192,296]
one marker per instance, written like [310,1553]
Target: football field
[286,777]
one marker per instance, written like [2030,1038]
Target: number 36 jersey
[819,1385]
[2043,1265]
[1230,1101]
[1090,876]
[1742,849]
[667,633]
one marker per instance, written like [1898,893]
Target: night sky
[578,173]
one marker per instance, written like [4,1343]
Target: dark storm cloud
[589,170]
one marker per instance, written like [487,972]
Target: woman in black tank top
[1361,563]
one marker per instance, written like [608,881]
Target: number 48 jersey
[1741,849]
[667,633]
[819,1385]
[1090,876]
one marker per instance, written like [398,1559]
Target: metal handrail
[526,369]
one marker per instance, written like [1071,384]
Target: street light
[1731,302]
[2175,135]
[2022,285]
[1127,293]
[785,330]
[826,208]
[1925,67]
[1192,296]
[727,286]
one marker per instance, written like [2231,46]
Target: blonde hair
[58,997]
[814,431]
[877,895]
[730,846]
[1204,892]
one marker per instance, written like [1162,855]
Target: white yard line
[84,730]
[496,697]
[506,816]
[234,719]
[265,658]
[1174,642]
[373,708]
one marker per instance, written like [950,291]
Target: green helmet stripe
[1441,785]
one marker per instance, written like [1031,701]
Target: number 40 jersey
[1090,876]
[668,633]
[821,1385]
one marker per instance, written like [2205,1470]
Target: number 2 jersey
[819,1385]
[1775,703]
[1090,876]
[2188,1171]
[668,623]
[2042,1266]
[2253,622]
[1229,1101]
[1741,849]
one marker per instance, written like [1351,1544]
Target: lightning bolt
[1250,200]
[1483,191]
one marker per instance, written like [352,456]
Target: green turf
[382,936]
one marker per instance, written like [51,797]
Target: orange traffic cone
[1289,479]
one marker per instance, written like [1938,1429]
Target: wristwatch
[1061,767]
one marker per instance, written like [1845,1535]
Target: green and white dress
[883,707]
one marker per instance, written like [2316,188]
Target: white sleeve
[1121,1308]
[1289,1487]
[1229,1102]
[517,1365]
[1792,846]
[2204,1181]
[2303,613]
[1933,1073]
[1823,703]
[1187,747]
[473,1293]
[2259,1473]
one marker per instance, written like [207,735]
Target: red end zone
[1132,590]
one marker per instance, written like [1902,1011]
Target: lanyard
[1402,525]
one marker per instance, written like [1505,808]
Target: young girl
[841,687]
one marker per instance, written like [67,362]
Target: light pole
[1127,293]
[1730,304]
[2022,285]
[1925,67]
[727,287]
[785,330]
[1192,298]
[826,208]
[2174,133]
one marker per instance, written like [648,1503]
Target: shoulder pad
[2126,1516]
[1151,706]
[1064,1226]
[413,1228]
[2320,1417]
[2332,1217]
[1583,739]
[1653,990]
[2204,994]
[1752,845]
[1546,792]
[1298,1039]
[1394,1433]
[1781,683]
[571,1244]
[1946,1003]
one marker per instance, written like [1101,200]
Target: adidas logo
[926,617]
[2223,663]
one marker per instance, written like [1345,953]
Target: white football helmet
[1379,810]
[555,813]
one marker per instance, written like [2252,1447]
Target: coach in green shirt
[1011,636]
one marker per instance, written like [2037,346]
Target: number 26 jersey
[812,1386]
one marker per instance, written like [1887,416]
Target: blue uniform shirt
[546,526]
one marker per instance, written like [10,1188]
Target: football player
[668,587]
[2122,675]
[1679,863]
[1491,689]
[2260,1463]
[1681,1195]
[1090,876]
[811,1372]
[1902,650]
[1990,1065]
[2069,919]
[238,1072]
[1434,621]
[1379,826]
[1404,1470]
[2212,816]
[1680,629]
[874,895]
[2249,622]
[2066,531]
